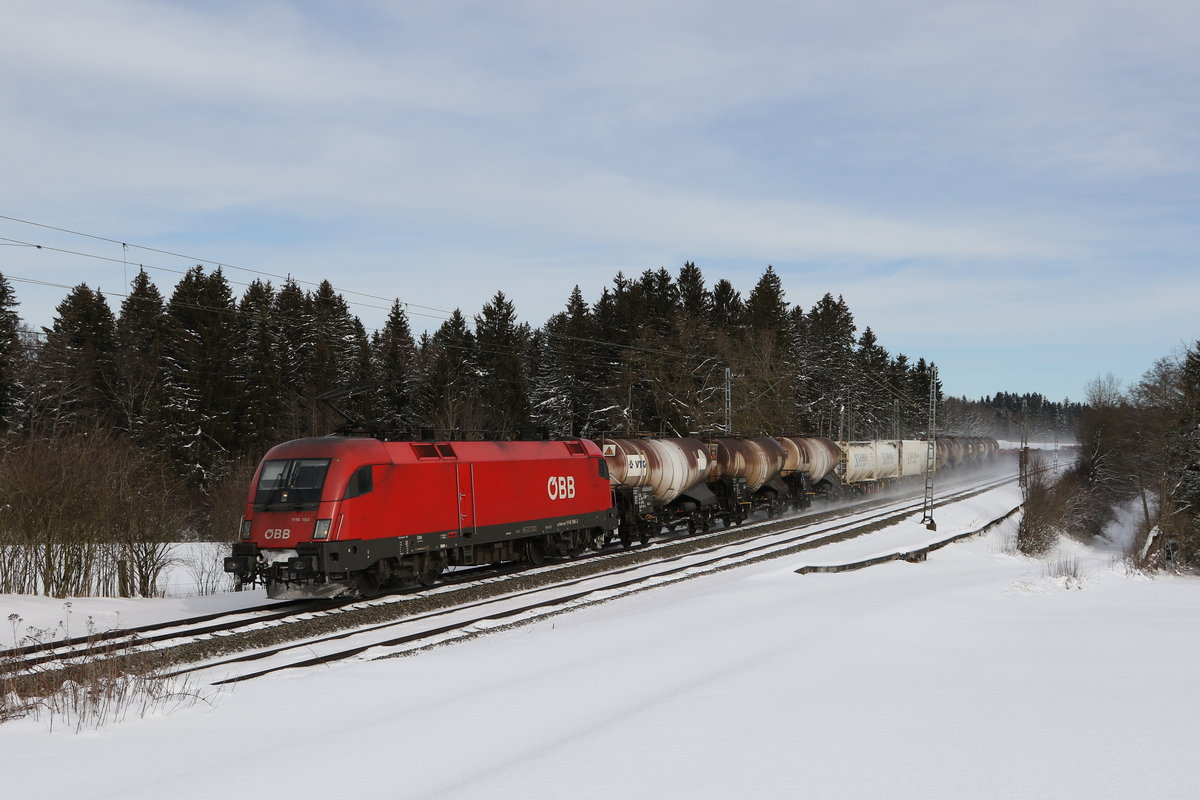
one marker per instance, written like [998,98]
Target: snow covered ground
[193,565]
[974,674]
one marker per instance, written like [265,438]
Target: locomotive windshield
[293,484]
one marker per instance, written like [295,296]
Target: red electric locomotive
[338,515]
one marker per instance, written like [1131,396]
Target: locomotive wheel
[601,540]
[535,552]
[368,584]
[430,570]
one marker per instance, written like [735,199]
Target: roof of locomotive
[367,451]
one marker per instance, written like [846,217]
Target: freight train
[337,515]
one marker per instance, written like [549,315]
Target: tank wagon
[808,462]
[657,482]
[877,463]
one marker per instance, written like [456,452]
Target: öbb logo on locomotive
[277,533]
[561,487]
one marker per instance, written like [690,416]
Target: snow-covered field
[974,674]
[193,566]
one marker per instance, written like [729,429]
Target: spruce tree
[695,299]
[293,328]
[566,394]
[76,366]
[617,323]
[258,365]
[339,351]
[699,369]
[1182,525]
[875,401]
[829,372]
[501,344]
[395,370]
[728,309]
[767,310]
[141,329]
[447,394]
[361,379]
[919,379]
[898,379]
[202,389]
[11,388]
[660,297]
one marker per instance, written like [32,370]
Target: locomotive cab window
[291,483]
[360,482]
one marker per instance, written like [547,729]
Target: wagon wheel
[705,522]
[624,536]
[691,526]
[644,533]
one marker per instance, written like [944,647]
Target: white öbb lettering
[277,533]
[561,487]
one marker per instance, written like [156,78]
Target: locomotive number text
[561,487]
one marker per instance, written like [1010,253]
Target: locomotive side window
[360,482]
[603,465]
[292,483]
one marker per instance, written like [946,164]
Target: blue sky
[1007,188]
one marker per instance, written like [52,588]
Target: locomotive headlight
[322,529]
[245,534]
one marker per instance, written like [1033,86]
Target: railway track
[466,602]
